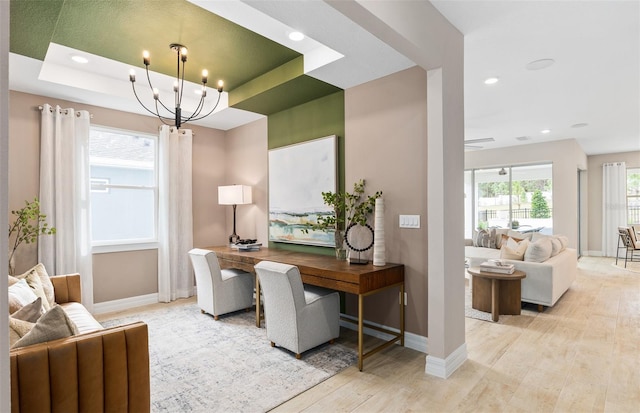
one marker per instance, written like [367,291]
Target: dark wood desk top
[321,270]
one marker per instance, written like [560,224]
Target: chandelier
[178,88]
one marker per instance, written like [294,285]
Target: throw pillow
[556,244]
[513,249]
[499,236]
[48,300]
[538,251]
[34,282]
[485,238]
[12,280]
[20,294]
[17,329]
[30,312]
[519,235]
[564,240]
[54,324]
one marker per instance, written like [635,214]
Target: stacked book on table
[497,266]
[247,247]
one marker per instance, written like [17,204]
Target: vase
[378,238]
[341,251]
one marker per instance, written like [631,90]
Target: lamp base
[233,239]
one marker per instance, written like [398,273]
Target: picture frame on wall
[298,174]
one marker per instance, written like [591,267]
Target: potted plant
[348,208]
[28,225]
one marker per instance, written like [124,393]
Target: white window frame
[99,247]
[629,197]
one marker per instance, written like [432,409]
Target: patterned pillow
[485,238]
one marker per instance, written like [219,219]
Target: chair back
[281,285]
[633,238]
[623,233]
[206,267]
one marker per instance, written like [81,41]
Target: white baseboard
[411,340]
[443,368]
[125,303]
[593,253]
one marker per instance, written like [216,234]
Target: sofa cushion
[513,249]
[20,294]
[539,251]
[82,318]
[30,312]
[54,324]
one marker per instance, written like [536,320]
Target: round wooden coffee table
[496,293]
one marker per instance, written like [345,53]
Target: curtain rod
[65,111]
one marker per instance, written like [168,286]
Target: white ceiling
[595,78]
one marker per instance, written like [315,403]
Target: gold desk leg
[360,327]
[402,314]
[257,301]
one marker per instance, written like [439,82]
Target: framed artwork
[298,174]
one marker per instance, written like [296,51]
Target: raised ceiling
[264,72]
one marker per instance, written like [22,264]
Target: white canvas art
[298,174]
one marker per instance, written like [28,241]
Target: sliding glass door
[518,197]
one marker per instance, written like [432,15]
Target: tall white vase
[378,234]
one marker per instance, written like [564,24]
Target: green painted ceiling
[121,29]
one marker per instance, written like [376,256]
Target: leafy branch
[29,224]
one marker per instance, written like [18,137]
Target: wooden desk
[326,271]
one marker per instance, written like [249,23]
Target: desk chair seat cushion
[220,291]
[296,319]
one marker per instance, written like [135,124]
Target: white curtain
[175,215]
[614,205]
[64,195]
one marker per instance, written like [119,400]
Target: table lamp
[234,195]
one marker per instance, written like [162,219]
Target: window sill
[105,249]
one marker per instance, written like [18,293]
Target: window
[124,189]
[633,196]
[518,197]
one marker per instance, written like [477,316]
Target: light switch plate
[409,221]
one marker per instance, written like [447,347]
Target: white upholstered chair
[296,319]
[220,291]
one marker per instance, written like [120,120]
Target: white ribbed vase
[378,234]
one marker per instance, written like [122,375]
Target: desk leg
[257,302]
[402,314]
[495,299]
[360,328]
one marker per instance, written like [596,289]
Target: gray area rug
[201,365]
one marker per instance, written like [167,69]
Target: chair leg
[298,356]
[215,317]
[201,311]
[273,344]
[332,341]
[540,308]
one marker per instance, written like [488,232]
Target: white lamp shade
[234,195]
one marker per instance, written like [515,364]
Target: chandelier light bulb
[146,58]
[175,86]
[220,85]
[205,74]
[156,93]
[183,54]
[132,75]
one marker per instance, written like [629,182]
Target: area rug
[198,364]
[631,266]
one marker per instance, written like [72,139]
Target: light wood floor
[582,355]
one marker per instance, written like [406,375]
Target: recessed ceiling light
[540,64]
[545,131]
[491,80]
[296,36]
[579,125]
[79,59]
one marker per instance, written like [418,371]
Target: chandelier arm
[162,118]
[139,101]
[211,111]
[158,99]
[166,108]
[196,112]
[179,103]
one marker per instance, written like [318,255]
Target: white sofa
[545,282]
